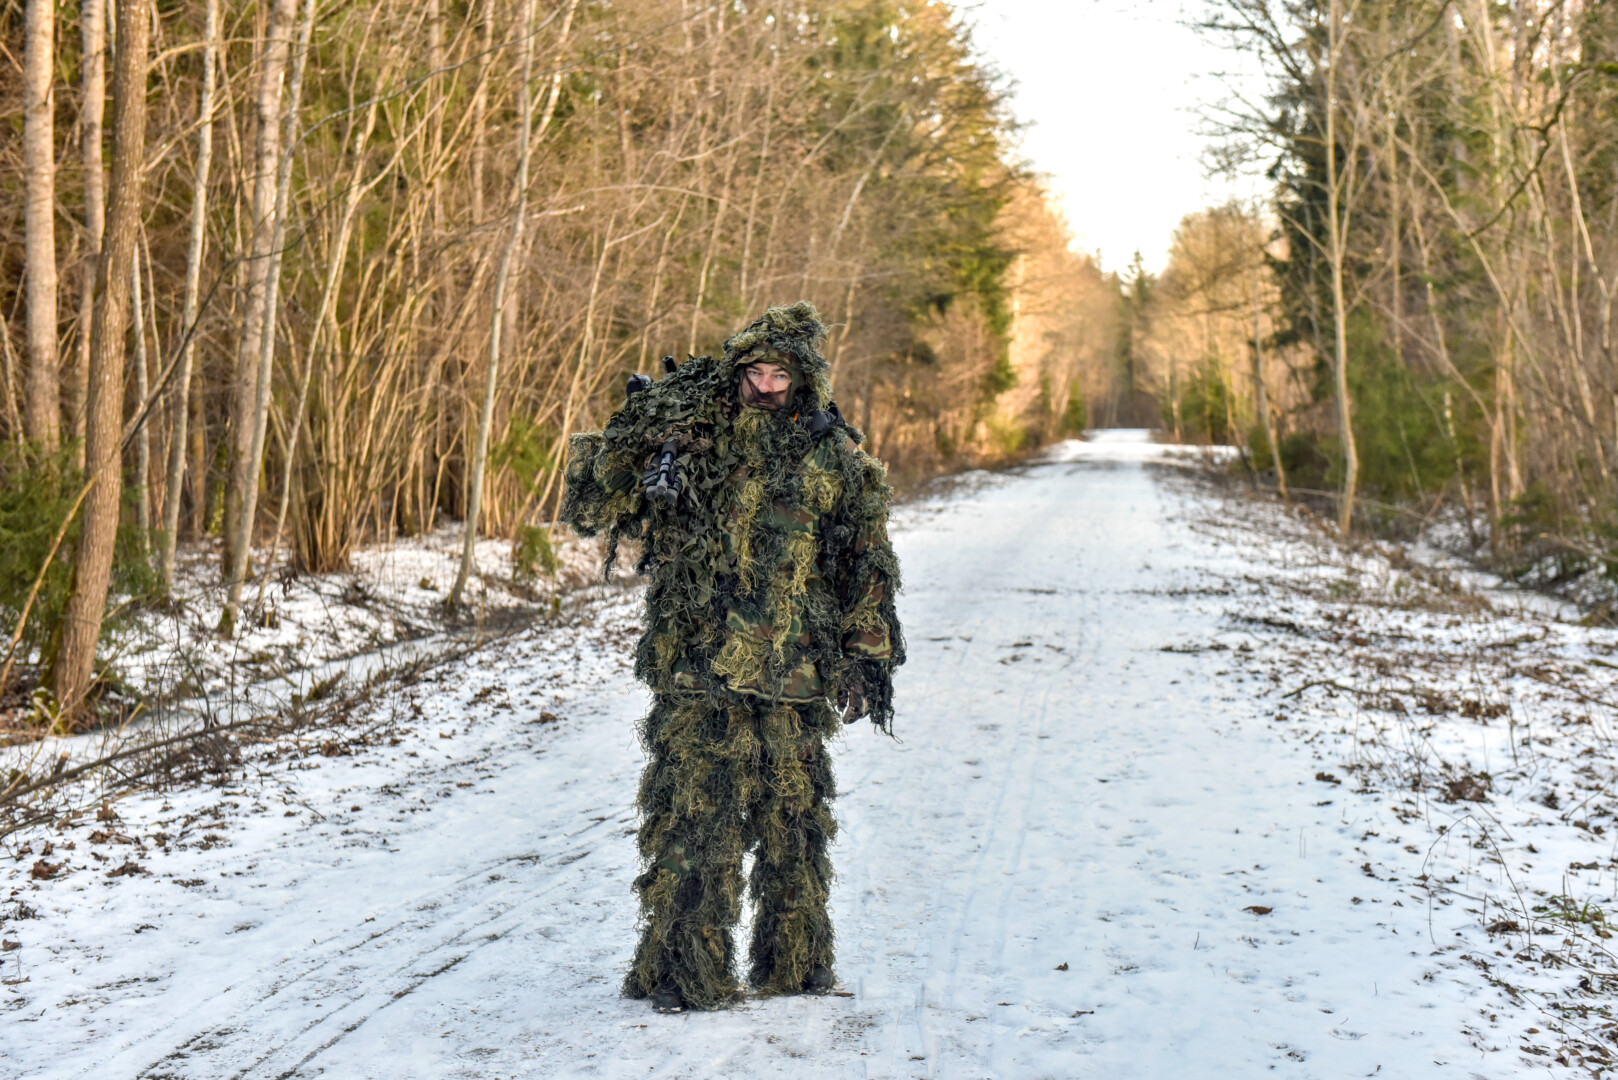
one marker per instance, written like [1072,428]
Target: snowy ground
[302,631]
[1110,841]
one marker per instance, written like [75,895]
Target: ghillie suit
[771,596]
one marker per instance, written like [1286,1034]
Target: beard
[768,402]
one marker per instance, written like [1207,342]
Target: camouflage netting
[771,595]
[722,780]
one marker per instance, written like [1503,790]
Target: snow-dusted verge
[1119,836]
[1457,538]
[1483,719]
[300,630]
[303,639]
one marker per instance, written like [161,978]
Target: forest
[286,278]
[1415,326]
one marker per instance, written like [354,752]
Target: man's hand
[851,699]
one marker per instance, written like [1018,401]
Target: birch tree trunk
[272,291]
[1336,255]
[266,341]
[92,564]
[256,321]
[180,394]
[93,34]
[358,188]
[42,400]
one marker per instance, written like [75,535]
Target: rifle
[639,382]
[662,482]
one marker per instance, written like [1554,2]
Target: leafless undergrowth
[299,679]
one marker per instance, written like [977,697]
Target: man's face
[765,385]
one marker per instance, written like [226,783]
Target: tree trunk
[180,393]
[256,321]
[480,108]
[143,436]
[266,341]
[336,258]
[93,33]
[1395,239]
[1336,255]
[42,402]
[480,453]
[8,383]
[1262,398]
[92,563]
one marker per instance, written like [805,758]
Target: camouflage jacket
[773,576]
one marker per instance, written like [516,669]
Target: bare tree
[93,34]
[257,321]
[180,392]
[357,189]
[1261,391]
[519,199]
[143,435]
[266,341]
[92,566]
[1341,184]
[42,403]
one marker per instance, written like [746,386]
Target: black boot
[667,999]
[820,981]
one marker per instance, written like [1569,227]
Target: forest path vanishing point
[1084,856]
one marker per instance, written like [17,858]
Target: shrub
[36,493]
[532,553]
[1076,414]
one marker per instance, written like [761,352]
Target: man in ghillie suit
[770,599]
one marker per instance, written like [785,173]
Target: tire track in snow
[983,914]
[479,917]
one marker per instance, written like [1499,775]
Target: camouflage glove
[851,700]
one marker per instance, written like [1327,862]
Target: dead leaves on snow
[1467,787]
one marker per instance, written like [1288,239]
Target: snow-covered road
[1085,856]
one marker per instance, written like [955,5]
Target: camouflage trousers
[726,778]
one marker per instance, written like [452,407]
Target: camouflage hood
[790,336]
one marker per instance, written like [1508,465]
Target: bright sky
[1112,89]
